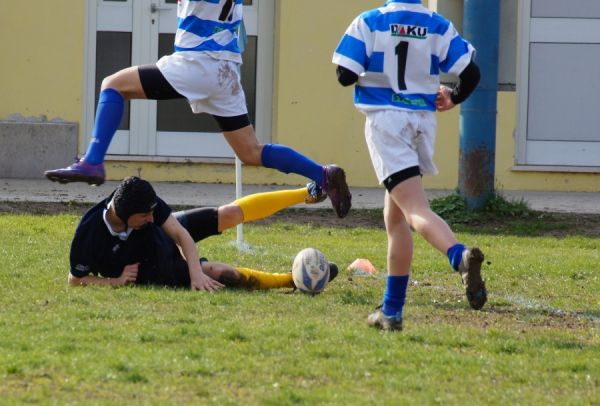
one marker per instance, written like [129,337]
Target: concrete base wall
[28,149]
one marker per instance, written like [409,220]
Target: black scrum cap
[134,195]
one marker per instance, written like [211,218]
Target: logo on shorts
[408,31]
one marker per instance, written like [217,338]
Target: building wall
[506,178]
[42,58]
[312,112]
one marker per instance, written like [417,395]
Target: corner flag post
[238,195]
[241,245]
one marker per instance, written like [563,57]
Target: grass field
[536,342]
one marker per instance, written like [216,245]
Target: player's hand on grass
[129,275]
[443,102]
[201,281]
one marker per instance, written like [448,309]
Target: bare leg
[230,216]
[399,258]
[410,197]
[126,82]
[226,274]
[247,278]
[400,243]
[245,145]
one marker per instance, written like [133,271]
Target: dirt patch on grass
[450,306]
[37,208]
[513,319]
[540,224]
[327,218]
[314,217]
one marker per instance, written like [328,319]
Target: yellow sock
[266,280]
[261,205]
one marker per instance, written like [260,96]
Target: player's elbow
[474,74]
[345,76]
[74,281]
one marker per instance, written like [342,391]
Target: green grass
[536,342]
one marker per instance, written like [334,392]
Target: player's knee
[121,84]
[111,82]
[245,145]
[247,159]
[231,278]
[414,219]
[230,216]
[251,154]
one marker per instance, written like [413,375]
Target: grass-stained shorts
[210,85]
[399,139]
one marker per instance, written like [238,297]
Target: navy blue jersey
[94,250]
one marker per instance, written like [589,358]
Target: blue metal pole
[476,174]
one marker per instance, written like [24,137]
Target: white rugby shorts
[399,139]
[209,84]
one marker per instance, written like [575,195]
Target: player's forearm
[469,79]
[189,252]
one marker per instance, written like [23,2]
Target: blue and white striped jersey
[209,26]
[398,51]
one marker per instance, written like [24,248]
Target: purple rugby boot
[337,189]
[80,171]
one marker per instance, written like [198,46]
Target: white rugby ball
[310,271]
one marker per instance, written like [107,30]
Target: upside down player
[132,237]
[204,69]
[393,55]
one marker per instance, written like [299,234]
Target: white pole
[241,245]
[238,195]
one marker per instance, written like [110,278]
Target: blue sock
[287,160]
[108,117]
[455,255]
[395,293]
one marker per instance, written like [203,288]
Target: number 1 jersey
[398,51]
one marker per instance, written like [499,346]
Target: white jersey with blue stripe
[209,26]
[398,51]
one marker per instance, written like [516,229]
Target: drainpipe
[476,173]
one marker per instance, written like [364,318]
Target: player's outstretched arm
[199,280]
[128,277]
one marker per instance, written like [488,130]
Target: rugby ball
[310,271]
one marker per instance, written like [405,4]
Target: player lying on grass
[393,55]
[132,237]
